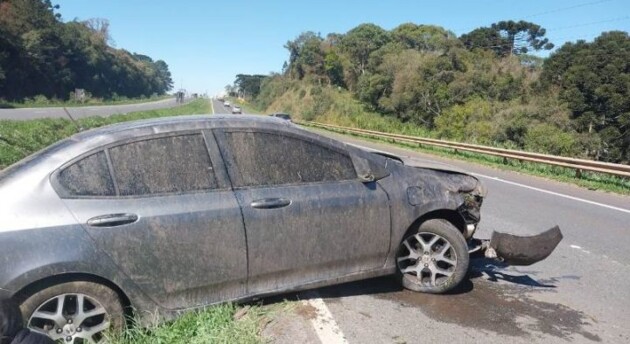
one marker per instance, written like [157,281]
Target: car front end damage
[469,193]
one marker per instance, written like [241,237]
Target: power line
[591,23]
[566,8]
[554,11]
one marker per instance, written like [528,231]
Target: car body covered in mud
[179,213]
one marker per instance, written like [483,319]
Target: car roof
[86,142]
[192,121]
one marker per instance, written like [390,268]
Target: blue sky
[206,43]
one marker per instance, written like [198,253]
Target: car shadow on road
[480,268]
[494,271]
[493,298]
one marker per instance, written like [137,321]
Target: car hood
[456,178]
[421,163]
[431,165]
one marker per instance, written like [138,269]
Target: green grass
[224,323]
[40,101]
[589,180]
[19,139]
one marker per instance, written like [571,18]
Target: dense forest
[40,55]
[483,87]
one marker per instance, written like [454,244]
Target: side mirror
[369,171]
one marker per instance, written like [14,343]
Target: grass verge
[39,102]
[589,180]
[19,139]
[226,323]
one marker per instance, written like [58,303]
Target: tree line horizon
[484,86]
[40,55]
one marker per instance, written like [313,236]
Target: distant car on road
[165,215]
[236,110]
[227,104]
[282,115]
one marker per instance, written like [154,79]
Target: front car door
[307,216]
[162,209]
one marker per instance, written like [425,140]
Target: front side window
[88,177]
[163,165]
[273,159]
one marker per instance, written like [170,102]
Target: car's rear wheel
[433,258]
[74,312]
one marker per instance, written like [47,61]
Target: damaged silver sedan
[178,213]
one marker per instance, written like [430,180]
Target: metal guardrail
[579,165]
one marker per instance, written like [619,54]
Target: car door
[162,209]
[307,216]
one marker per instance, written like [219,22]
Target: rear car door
[162,209]
[307,216]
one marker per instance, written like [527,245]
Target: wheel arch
[46,282]
[452,216]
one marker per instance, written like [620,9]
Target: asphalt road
[83,111]
[581,293]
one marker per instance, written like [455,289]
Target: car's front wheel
[432,259]
[74,312]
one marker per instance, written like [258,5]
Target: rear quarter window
[88,177]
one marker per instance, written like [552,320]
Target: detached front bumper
[520,250]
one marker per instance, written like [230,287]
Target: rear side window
[88,177]
[272,159]
[163,165]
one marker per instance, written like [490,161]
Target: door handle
[270,203]
[112,220]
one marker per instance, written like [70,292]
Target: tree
[334,68]
[594,79]
[424,37]
[163,76]
[508,37]
[248,86]
[522,36]
[486,38]
[361,41]
[41,55]
[306,55]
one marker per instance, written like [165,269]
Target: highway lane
[581,293]
[84,111]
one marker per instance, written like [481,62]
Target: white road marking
[623,210]
[212,105]
[580,248]
[325,325]
[583,250]
[555,193]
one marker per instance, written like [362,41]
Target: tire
[102,310]
[436,264]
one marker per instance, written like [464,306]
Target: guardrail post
[505,160]
[578,173]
